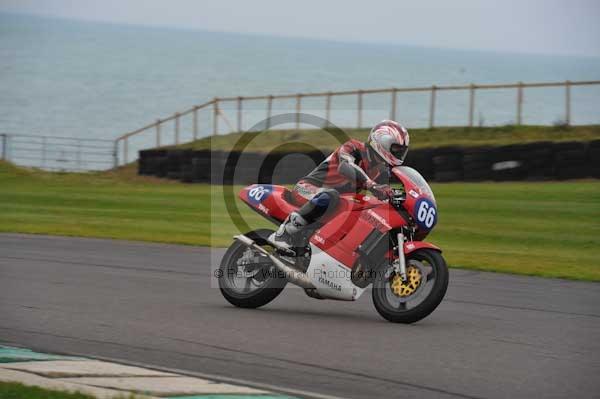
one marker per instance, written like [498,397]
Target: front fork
[400,265]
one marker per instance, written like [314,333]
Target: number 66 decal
[426,213]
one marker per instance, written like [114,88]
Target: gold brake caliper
[408,287]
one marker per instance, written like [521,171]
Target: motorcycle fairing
[419,197]
[353,222]
[272,202]
[331,279]
[412,246]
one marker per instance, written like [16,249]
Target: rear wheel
[412,300]
[249,279]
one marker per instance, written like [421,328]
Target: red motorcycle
[366,241]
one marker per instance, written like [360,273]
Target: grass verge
[15,390]
[544,229]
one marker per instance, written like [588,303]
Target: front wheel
[247,278]
[409,301]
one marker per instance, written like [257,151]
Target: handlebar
[398,197]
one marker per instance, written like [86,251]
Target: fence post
[215,116]
[116,154]
[79,154]
[239,114]
[432,108]
[359,109]
[158,132]
[195,122]
[393,108]
[176,128]
[4,144]
[269,109]
[520,104]
[298,107]
[471,104]
[568,102]
[125,150]
[44,143]
[327,109]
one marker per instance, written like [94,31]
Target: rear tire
[270,288]
[396,314]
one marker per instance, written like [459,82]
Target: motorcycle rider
[354,166]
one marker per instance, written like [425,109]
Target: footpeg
[283,250]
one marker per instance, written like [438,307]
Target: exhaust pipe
[292,275]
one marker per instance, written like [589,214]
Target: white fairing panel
[331,278]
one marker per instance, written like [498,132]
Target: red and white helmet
[390,141]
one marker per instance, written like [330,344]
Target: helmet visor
[399,151]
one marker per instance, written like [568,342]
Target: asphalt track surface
[494,336]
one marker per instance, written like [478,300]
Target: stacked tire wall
[532,161]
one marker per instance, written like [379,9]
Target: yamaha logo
[330,284]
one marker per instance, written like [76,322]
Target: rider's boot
[307,214]
[284,236]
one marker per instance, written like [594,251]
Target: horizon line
[187,28]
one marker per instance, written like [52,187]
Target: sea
[61,77]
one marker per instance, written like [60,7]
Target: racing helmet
[389,140]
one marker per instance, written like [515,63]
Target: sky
[560,27]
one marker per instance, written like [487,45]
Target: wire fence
[58,153]
[213,114]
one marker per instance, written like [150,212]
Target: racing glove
[380,191]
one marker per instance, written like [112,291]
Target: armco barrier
[510,163]
[531,161]
[422,160]
[594,158]
[538,160]
[477,163]
[571,161]
[448,164]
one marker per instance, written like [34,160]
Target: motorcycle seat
[281,203]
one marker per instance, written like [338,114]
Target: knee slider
[321,200]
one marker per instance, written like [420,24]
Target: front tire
[260,281]
[410,302]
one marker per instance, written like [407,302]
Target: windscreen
[415,177]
